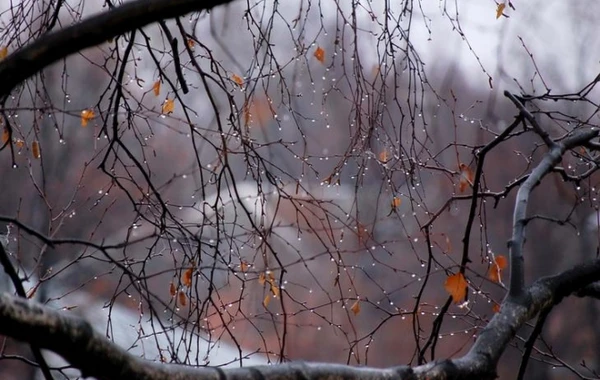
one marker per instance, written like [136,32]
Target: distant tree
[193,186]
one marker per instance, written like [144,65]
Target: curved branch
[75,340]
[552,158]
[44,51]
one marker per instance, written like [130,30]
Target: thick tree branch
[97,29]
[75,340]
[16,281]
[552,158]
[592,290]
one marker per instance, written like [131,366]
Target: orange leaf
[320,54]
[20,143]
[182,298]
[500,9]
[261,278]
[156,88]
[501,261]
[396,202]
[355,307]
[384,156]
[191,43]
[168,106]
[258,110]
[496,308]
[3,52]
[86,116]
[466,177]
[172,289]
[494,273]
[267,300]
[244,266]
[5,136]
[237,79]
[275,290]
[362,233]
[35,149]
[186,277]
[456,285]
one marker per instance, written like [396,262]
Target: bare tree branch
[525,112]
[14,278]
[89,351]
[553,157]
[48,49]
[75,340]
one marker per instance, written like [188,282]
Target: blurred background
[293,180]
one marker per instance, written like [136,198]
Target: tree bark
[93,31]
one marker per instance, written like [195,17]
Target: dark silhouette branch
[75,340]
[44,51]
[592,290]
[525,113]
[16,281]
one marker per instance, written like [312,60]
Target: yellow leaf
[355,307]
[456,285]
[186,277]
[3,52]
[320,54]
[86,116]
[237,79]
[156,88]
[396,202]
[35,149]
[500,9]
[267,300]
[168,106]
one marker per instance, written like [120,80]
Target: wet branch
[75,340]
[551,159]
[44,51]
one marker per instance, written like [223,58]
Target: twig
[525,112]
[44,51]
